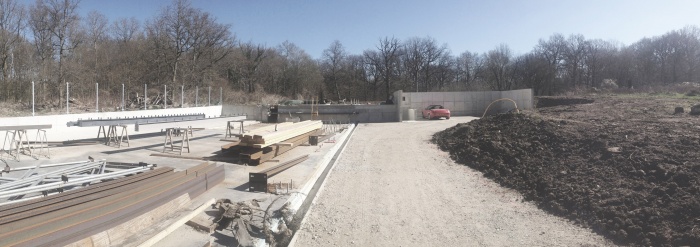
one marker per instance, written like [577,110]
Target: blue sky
[476,26]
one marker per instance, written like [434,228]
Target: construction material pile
[637,183]
[262,144]
[82,214]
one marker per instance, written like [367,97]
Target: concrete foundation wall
[459,103]
[61,132]
[337,113]
[465,103]
[253,112]
[342,113]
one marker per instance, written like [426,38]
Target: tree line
[49,43]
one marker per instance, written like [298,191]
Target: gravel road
[392,187]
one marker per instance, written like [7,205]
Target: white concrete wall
[465,103]
[61,132]
[253,112]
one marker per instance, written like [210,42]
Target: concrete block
[493,95]
[449,105]
[406,97]
[416,98]
[417,105]
[375,117]
[464,96]
[389,117]
[458,106]
[450,96]
[481,96]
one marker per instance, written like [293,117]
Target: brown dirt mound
[550,101]
[634,186]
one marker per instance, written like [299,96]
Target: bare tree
[332,61]
[96,25]
[497,65]
[574,54]
[12,22]
[252,57]
[55,25]
[124,30]
[181,31]
[468,67]
[389,52]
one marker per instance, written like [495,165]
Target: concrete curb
[292,242]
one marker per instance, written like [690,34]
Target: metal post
[32,98]
[196,96]
[123,97]
[145,97]
[182,96]
[97,97]
[221,96]
[209,103]
[165,97]
[67,97]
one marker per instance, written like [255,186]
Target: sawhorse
[19,137]
[110,135]
[229,128]
[184,143]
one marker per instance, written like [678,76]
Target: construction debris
[239,216]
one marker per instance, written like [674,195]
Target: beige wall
[465,103]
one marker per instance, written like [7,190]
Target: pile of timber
[76,215]
[263,144]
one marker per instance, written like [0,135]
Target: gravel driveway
[392,187]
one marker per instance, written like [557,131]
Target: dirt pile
[635,182]
[549,101]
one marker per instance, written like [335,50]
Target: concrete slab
[204,143]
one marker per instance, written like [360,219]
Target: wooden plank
[290,133]
[278,150]
[230,145]
[284,144]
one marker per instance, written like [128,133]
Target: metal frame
[77,174]
[136,120]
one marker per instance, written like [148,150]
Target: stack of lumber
[262,144]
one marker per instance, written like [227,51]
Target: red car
[436,112]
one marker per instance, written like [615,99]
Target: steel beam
[25,127]
[137,120]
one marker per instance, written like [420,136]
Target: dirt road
[392,187]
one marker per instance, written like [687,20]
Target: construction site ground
[392,187]
[205,143]
[626,166]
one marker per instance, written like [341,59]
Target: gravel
[393,187]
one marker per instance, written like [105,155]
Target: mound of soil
[549,101]
[635,181]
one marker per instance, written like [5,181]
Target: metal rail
[135,120]
[258,180]
[54,223]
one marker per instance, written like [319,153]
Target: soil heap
[635,182]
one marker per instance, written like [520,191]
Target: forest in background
[49,43]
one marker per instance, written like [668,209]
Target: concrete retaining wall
[459,103]
[61,132]
[253,112]
[337,113]
[464,103]
[342,113]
